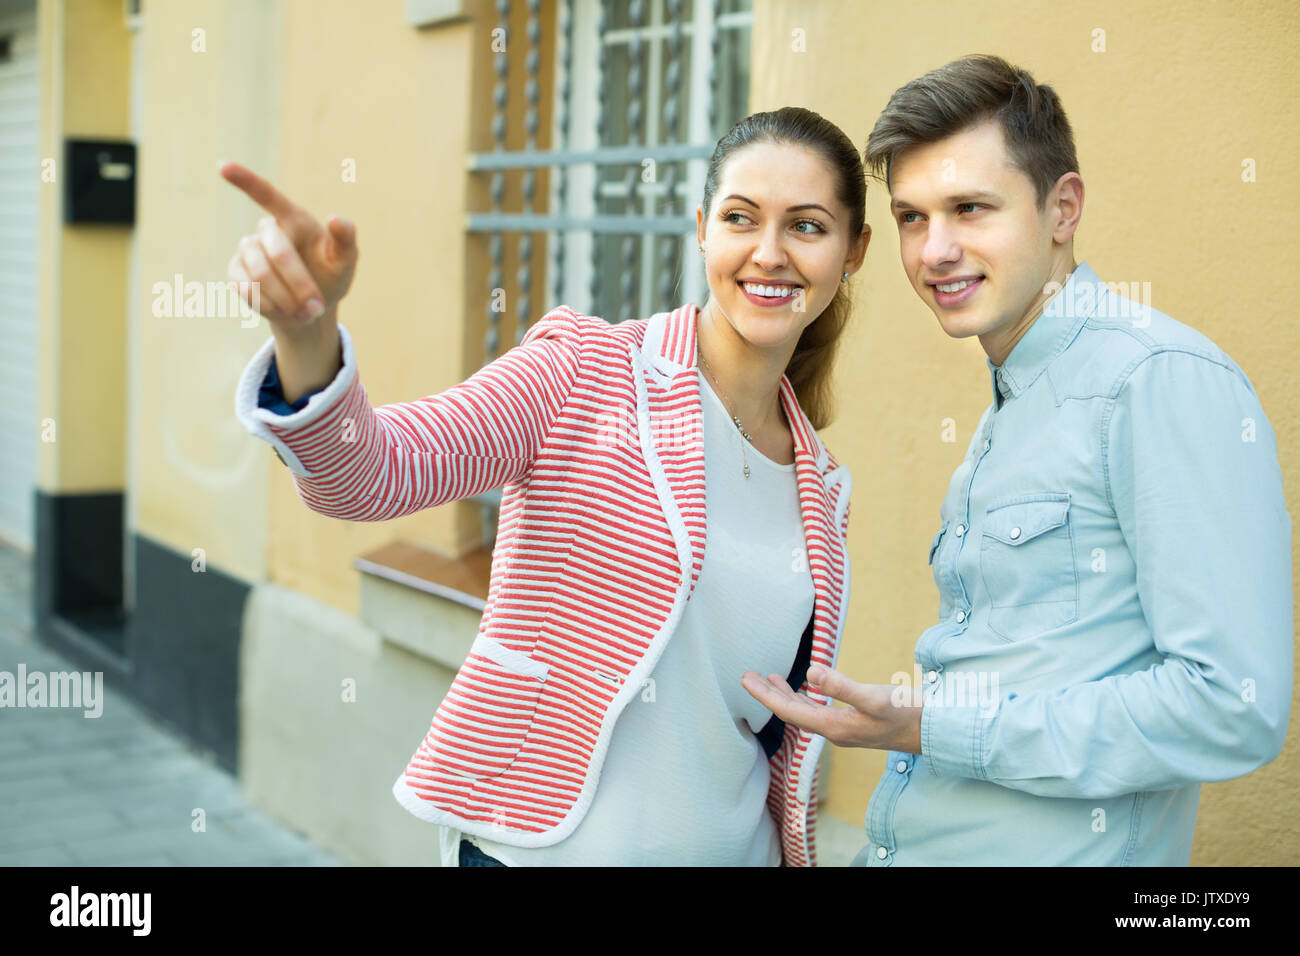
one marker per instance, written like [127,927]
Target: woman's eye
[816,226]
[728,216]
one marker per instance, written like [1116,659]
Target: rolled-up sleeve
[1191,468]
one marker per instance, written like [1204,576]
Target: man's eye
[903,218]
[973,205]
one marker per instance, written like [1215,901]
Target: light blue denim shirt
[1115,614]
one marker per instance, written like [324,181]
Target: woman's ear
[699,225]
[858,251]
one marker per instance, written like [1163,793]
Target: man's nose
[940,246]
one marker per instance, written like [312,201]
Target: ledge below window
[428,604]
[426,13]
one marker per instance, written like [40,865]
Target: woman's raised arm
[356,462]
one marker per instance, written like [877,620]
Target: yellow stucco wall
[82,282]
[1162,119]
[294,90]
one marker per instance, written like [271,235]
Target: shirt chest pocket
[1027,562]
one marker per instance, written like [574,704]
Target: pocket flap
[1022,519]
[512,661]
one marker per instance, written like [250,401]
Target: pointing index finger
[259,190]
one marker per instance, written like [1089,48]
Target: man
[1114,561]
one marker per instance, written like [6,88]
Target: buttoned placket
[945,562]
[946,558]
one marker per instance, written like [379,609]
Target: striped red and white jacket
[595,432]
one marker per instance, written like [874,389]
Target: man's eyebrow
[955,200]
[807,205]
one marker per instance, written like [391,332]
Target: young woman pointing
[669,520]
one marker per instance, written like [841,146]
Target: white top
[685,780]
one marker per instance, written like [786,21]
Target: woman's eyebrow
[807,205]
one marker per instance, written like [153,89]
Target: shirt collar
[1050,335]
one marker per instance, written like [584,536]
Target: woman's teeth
[769,291]
[956,286]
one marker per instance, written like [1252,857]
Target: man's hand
[872,719]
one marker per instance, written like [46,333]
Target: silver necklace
[713,378]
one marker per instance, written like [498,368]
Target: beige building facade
[309,655]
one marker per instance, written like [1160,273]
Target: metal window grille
[643,90]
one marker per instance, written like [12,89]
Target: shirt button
[932,676]
[961,617]
[1015,533]
[881,853]
[902,766]
[961,530]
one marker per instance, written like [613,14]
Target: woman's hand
[302,269]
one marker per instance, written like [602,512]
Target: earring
[845,277]
[701,248]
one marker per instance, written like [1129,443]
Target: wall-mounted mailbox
[99,181]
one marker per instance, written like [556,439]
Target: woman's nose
[769,254]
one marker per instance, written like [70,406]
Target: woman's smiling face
[776,241]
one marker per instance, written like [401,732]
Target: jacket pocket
[1027,562]
[485,718]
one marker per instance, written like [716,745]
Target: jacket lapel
[823,495]
[673,440]
[674,448]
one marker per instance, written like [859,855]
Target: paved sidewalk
[118,789]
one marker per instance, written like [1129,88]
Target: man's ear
[1066,199]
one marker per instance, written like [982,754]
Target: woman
[612,644]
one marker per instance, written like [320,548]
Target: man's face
[974,244]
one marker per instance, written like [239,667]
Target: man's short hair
[963,94]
